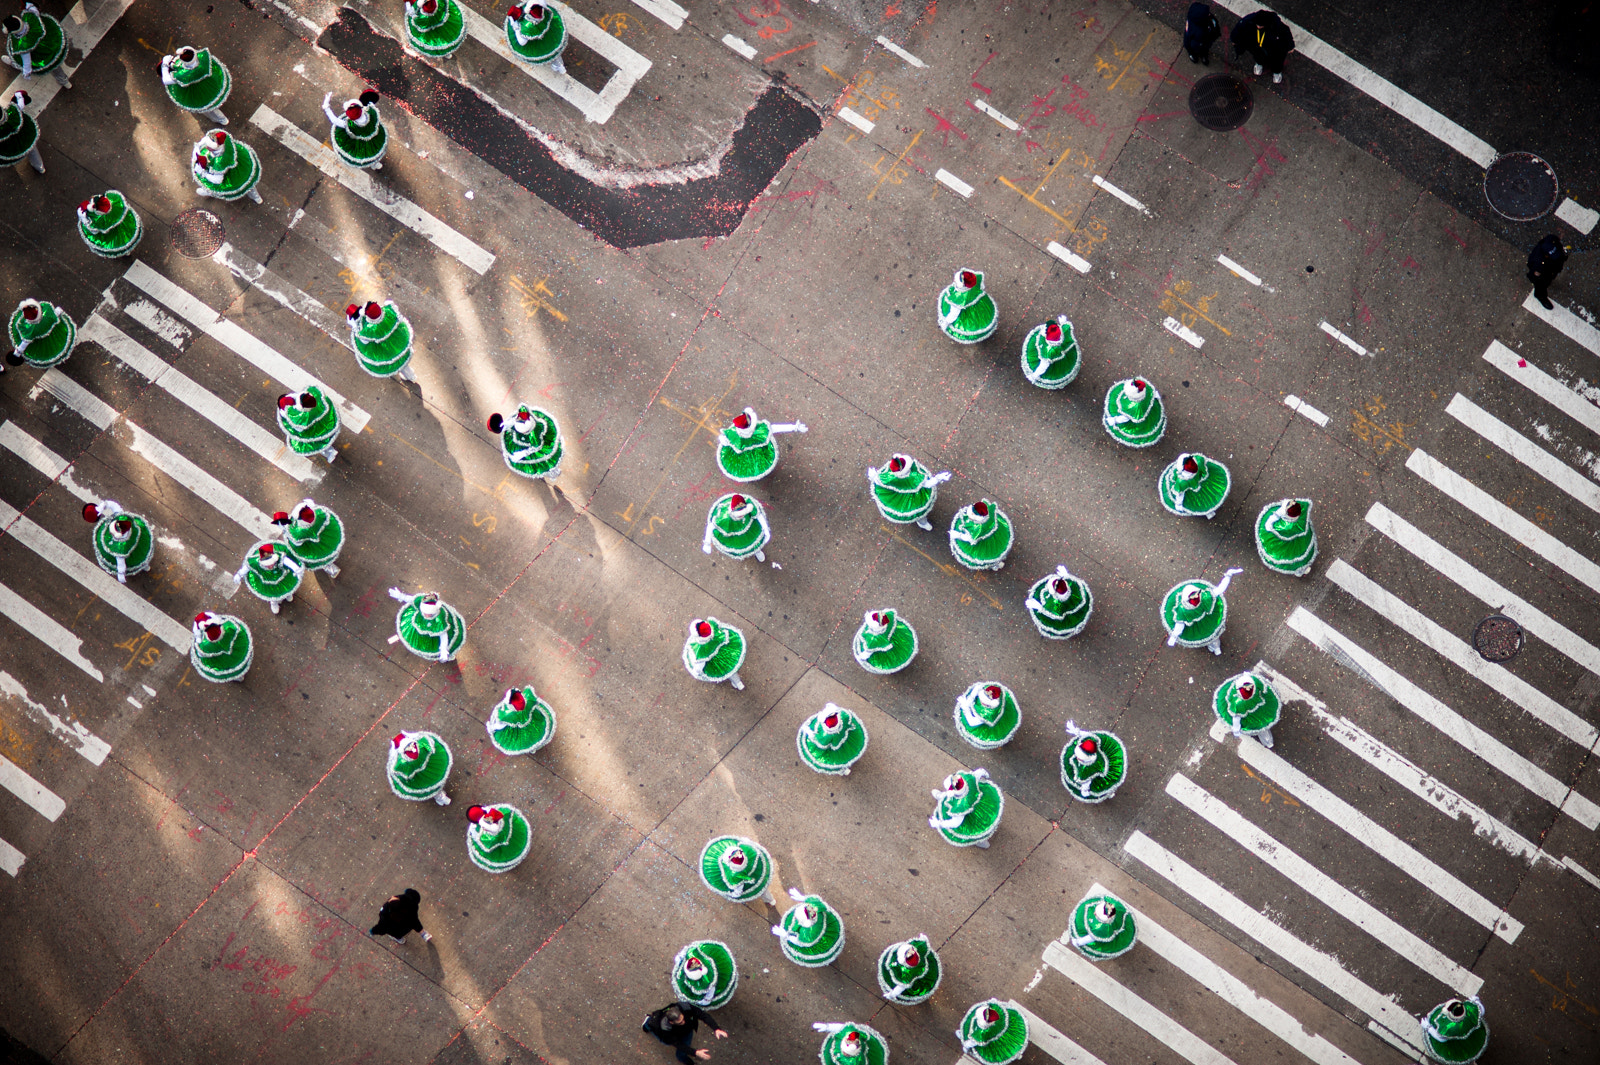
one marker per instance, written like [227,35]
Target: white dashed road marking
[1300,406]
[1341,338]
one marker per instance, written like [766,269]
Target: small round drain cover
[196,233]
[1221,102]
[1497,638]
[1521,186]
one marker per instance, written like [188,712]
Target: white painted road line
[117,596]
[1183,332]
[71,733]
[1581,871]
[856,120]
[46,630]
[1078,263]
[1525,451]
[1496,754]
[1318,965]
[1341,338]
[1502,517]
[1493,595]
[1406,773]
[1581,218]
[203,402]
[1460,654]
[30,791]
[996,115]
[361,182]
[1543,385]
[666,11]
[1237,269]
[1381,841]
[1295,403]
[243,344]
[1119,194]
[1089,976]
[325,318]
[95,410]
[1566,322]
[1059,1046]
[955,184]
[740,45]
[83,33]
[1319,885]
[901,52]
[11,859]
[44,460]
[595,107]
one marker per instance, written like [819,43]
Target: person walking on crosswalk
[1544,263]
[36,44]
[359,136]
[1267,39]
[19,133]
[398,917]
[197,82]
[536,33]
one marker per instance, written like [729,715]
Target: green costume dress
[1195,613]
[904,490]
[521,722]
[811,933]
[1285,539]
[359,136]
[967,313]
[737,527]
[19,133]
[419,765]
[1248,705]
[885,642]
[1194,486]
[1455,1032]
[909,973]
[993,1033]
[1050,355]
[745,449]
[987,715]
[225,168]
[309,422]
[714,652]
[832,740]
[381,337]
[498,837]
[41,334]
[1102,928]
[271,573]
[704,974]
[1093,764]
[969,808]
[1060,604]
[108,225]
[39,47]
[530,442]
[738,869]
[851,1044]
[313,534]
[537,33]
[197,81]
[435,28]
[221,649]
[980,536]
[429,628]
[123,543]
[1134,415]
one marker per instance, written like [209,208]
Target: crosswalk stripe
[243,344]
[1317,964]
[83,33]
[666,11]
[91,407]
[291,296]
[33,536]
[1459,653]
[1446,720]
[1565,322]
[46,630]
[71,733]
[1052,1041]
[203,402]
[1441,558]
[1087,975]
[441,235]
[11,859]
[1543,385]
[1525,451]
[17,781]
[43,459]
[1503,518]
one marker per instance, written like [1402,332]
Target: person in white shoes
[398,917]
[1266,38]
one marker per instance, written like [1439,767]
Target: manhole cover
[1221,102]
[1521,186]
[1497,638]
[196,233]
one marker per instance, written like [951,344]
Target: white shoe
[442,799]
[427,938]
[1277,79]
[1258,70]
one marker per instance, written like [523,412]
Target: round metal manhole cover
[1521,186]
[1221,102]
[196,233]
[1497,638]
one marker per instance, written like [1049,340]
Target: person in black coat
[675,1026]
[1200,31]
[1265,37]
[398,917]
[1544,263]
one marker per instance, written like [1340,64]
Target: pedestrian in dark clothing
[675,1026]
[1265,37]
[1544,263]
[398,918]
[1200,31]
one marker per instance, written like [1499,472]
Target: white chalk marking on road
[1459,653]
[1237,269]
[996,115]
[856,120]
[1183,332]
[1577,216]
[666,11]
[901,52]
[71,733]
[117,596]
[325,318]
[1566,322]
[1493,595]
[944,177]
[136,704]
[203,402]
[442,236]
[159,322]
[84,32]
[1381,841]
[1317,964]
[15,780]
[1341,338]
[148,690]
[1053,1042]
[740,45]
[43,459]
[1581,871]
[1543,385]
[1295,403]
[1065,255]
[1119,194]
[1089,976]
[11,859]
[1496,754]
[1525,451]
[47,630]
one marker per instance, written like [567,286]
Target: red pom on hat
[102,204]
[353,112]
[968,278]
[1052,332]
[981,508]
[374,311]
[741,421]
[702,629]
[1088,746]
[307,514]
[1293,509]
[1190,465]
[213,631]
[517,699]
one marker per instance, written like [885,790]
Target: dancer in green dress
[418,767]
[309,422]
[521,722]
[123,543]
[714,652]
[1134,414]
[851,1044]
[905,491]
[221,649]
[736,868]
[1060,604]
[1194,486]
[41,335]
[197,82]
[745,449]
[1093,764]
[987,715]
[1050,355]
[1455,1032]
[435,28]
[530,442]
[704,974]
[498,837]
[359,136]
[885,642]
[271,573]
[108,225]
[537,33]
[381,337]
[313,534]
[993,1033]
[429,628]
[1248,705]
[1102,927]
[225,168]
[19,133]
[909,972]
[832,740]
[1285,538]
[811,933]
[980,536]
[967,313]
[1195,613]
[970,805]
[36,44]
[737,527]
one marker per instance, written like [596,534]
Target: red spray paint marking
[981,65]
[944,126]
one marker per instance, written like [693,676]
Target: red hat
[351,311]
[213,631]
[992,691]
[286,400]
[496,423]
[517,699]
[968,279]
[1194,597]
[265,551]
[1060,586]
[92,513]
[1247,689]
[981,508]
[306,514]
[475,814]
[897,463]
[1190,465]
[741,421]
[831,721]
[307,400]
[429,7]
[1138,385]
[280,517]
[1088,745]
[1052,332]
[102,204]
[374,311]
[1293,509]
[702,629]
[30,310]
[353,112]
[736,501]
[399,738]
